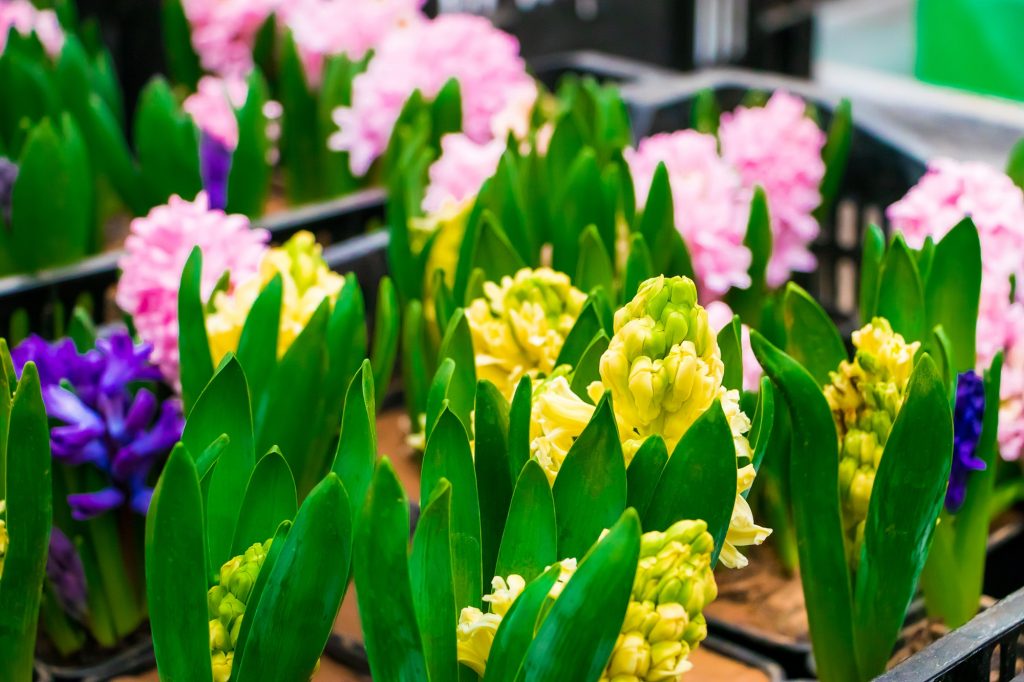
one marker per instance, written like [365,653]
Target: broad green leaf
[249,177]
[530,538]
[905,502]
[356,455]
[223,408]
[748,303]
[699,480]
[835,154]
[1015,164]
[581,204]
[182,60]
[25,452]
[457,344]
[813,339]
[193,344]
[300,140]
[730,342]
[494,253]
[437,398]
[166,144]
[577,636]
[657,222]
[269,500]
[952,291]
[446,111]
[579,338]
[901,292]
[103,132]
[318,548]
[257,346]
[519,426]
[515,633]
[594,267]
[381,567]
[706,112]
[346,351]
[176,573]
[385,337]
[872,253]
[81,330]
[815,472]
[590,489]
[639,266]
[644,472]
[415,375]
[588,369]
[292,398]
[493,473]
[448,456]
[763,422]
[335,91]
[430,570]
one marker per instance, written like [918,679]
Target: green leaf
[530,539]
[176,572]
[905,502]
[872,254]
[519,426]
[249,177]
[257,346]
[835,155]
[166,144]
[277,545]
[657,222]
[901,292]
[749,302]
[588,369]
[223,408]
[457,345]
[699,480]
[385,337]
[437,398]
[515,633]
[318,548]
[25,455]
[269,500]
[346,350]
[493,473]
[293,396]
[580,204]
[812,338]
[430,570]
[594,267]
[590,489]
[193,344]
[300,140]
[644,472]
[731,345]
[415,375]
[639,266]
[763,423]
[81,330]
[448,456]
[579,338]
[1015,164]
[356,456]
[446,111]
[182,60]
[577,636]
[706,112]
[494,253]
[953,288]
[381,566]
[815,472]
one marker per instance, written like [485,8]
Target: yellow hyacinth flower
[664,620]
[226,603]
[447,227]
[558,416]
[519,325]
[306,281]
[865,395]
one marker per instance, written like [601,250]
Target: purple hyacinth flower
[967,420]
[66,575]
[8,174]
[101,417]
[215,168]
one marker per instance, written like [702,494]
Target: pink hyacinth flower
[947,193]
[424,56]
[711,205]
[462,168]
[155,255]
[324,28]
[25,18]
[213,106]
[779,148]
[224,32]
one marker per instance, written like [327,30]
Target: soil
[710,666]
[762,597]
[916,637]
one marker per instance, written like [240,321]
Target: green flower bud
[226,602]
[520,325]
[865,396]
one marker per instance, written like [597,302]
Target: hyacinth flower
[110,434]
[217,593]
[663,621]
[26,512]
[301,332]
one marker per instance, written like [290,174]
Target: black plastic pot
[352,655]
[133,660]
